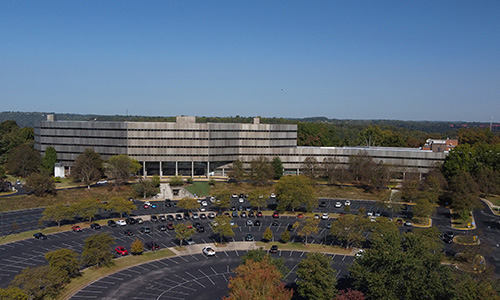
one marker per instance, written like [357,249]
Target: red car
[300,216]
[122,251]
[146,206]
[170,226]
[259,214]
[276,214]
[76,228]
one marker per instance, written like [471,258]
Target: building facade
[188,148]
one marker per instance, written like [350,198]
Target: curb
[473,227]
[491,206]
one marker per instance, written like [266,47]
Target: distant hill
[28,119]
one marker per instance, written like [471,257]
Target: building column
[161,171]
[144,169]
[176,168]
[420,176]
[298,171]
[404,175]
[223,174]
[208,169]
[192,169]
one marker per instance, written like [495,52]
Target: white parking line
[344,257]
[207,276]
[163,263]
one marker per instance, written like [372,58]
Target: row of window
[167,138]
[166,147]
[165,130]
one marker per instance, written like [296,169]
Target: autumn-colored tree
[87,208]
[350,230]
[258,281]
[285,236]
[307,227]
[41,184]
[120,167]
[310,167]
[261,169]
[120,205]
[221,226]
[188,203]
[39,282]
[23,160]
[237,172]
[184,231]
[137,247]
[88,167]
[350,295]
[12,293]
[257,197]
[97,250]
[268,234]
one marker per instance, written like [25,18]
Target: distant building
[440,145]
[188,148]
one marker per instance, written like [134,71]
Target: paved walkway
[196,248]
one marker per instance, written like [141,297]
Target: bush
[190,180]
[211,182]
[57,179]
[285,236]
[176,181]
[137,247]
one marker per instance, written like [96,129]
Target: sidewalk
[196,248]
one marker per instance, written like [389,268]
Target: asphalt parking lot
[188,277]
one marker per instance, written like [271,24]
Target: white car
[147,203]
[99,182]
[369,213]
[273,196]
[211,215]
[234,196]
[195,216]
[121,223]
[325,216]
[241,200]
[347,203]
[212,199]
[204,203]
[249,223]
[208,251]
[338,204]
[359,253]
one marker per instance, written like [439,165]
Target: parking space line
[334,256]
[163,263]
[207,276]
[344,257]
[337,274]
[303,252]
[227,255]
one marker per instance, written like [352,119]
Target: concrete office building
[188,148]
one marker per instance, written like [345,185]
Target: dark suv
[152,246]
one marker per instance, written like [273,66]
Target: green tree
[237,172]
[307,227]
[39,282]
[188,203]
[259,281]
[145,188]
[23,160]
[87,208]
[460,158]
[120,167]
[97,250]
[464,192]
[372,136]
[260,169]
[88,167]
[256,198]
[258,255]
[184,231]
[361,167]
[268,234]
[156,180]
[221,226]
[58,213]
[12,293]
[350,229]
[64,260]
[49,160]
[137,247]
[295,191]
[424,208]
[176,181]
[121,206]
[402,267]
[223,199]
[41,184]
[316,278]
[285,236]
[277,165]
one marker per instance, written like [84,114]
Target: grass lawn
[308,247]
[92,274]
[459,223]
[200,188]
[64,197]
[495,199]
[466,239]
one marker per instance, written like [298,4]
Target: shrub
[211,182]
[176,181]
[137,247]
[190,180]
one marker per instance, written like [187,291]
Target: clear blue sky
[406,60]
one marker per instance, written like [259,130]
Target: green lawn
[200,188]
[459,223]
[495,199]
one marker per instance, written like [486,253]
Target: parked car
[195,216]
[347,203]
[130,221]
[190,241]
[259,214]
[152,246]
[249,223]
[111,223]
[76,228]
[211,215]
[170,226]
[154,218]
[95,226]
[289,227]
[161,227]
[203,216]
[322,204]
[208,251]
[145,229]
[162,218]
[128,232]
[121,251]
[338,204]
[256,223]
[276,214]
[178,217]
[139,220]
[200,229]
[121,223]
[170,218]
[39,236]
[243,214]
[274,249]
[325,216]
[249,238]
